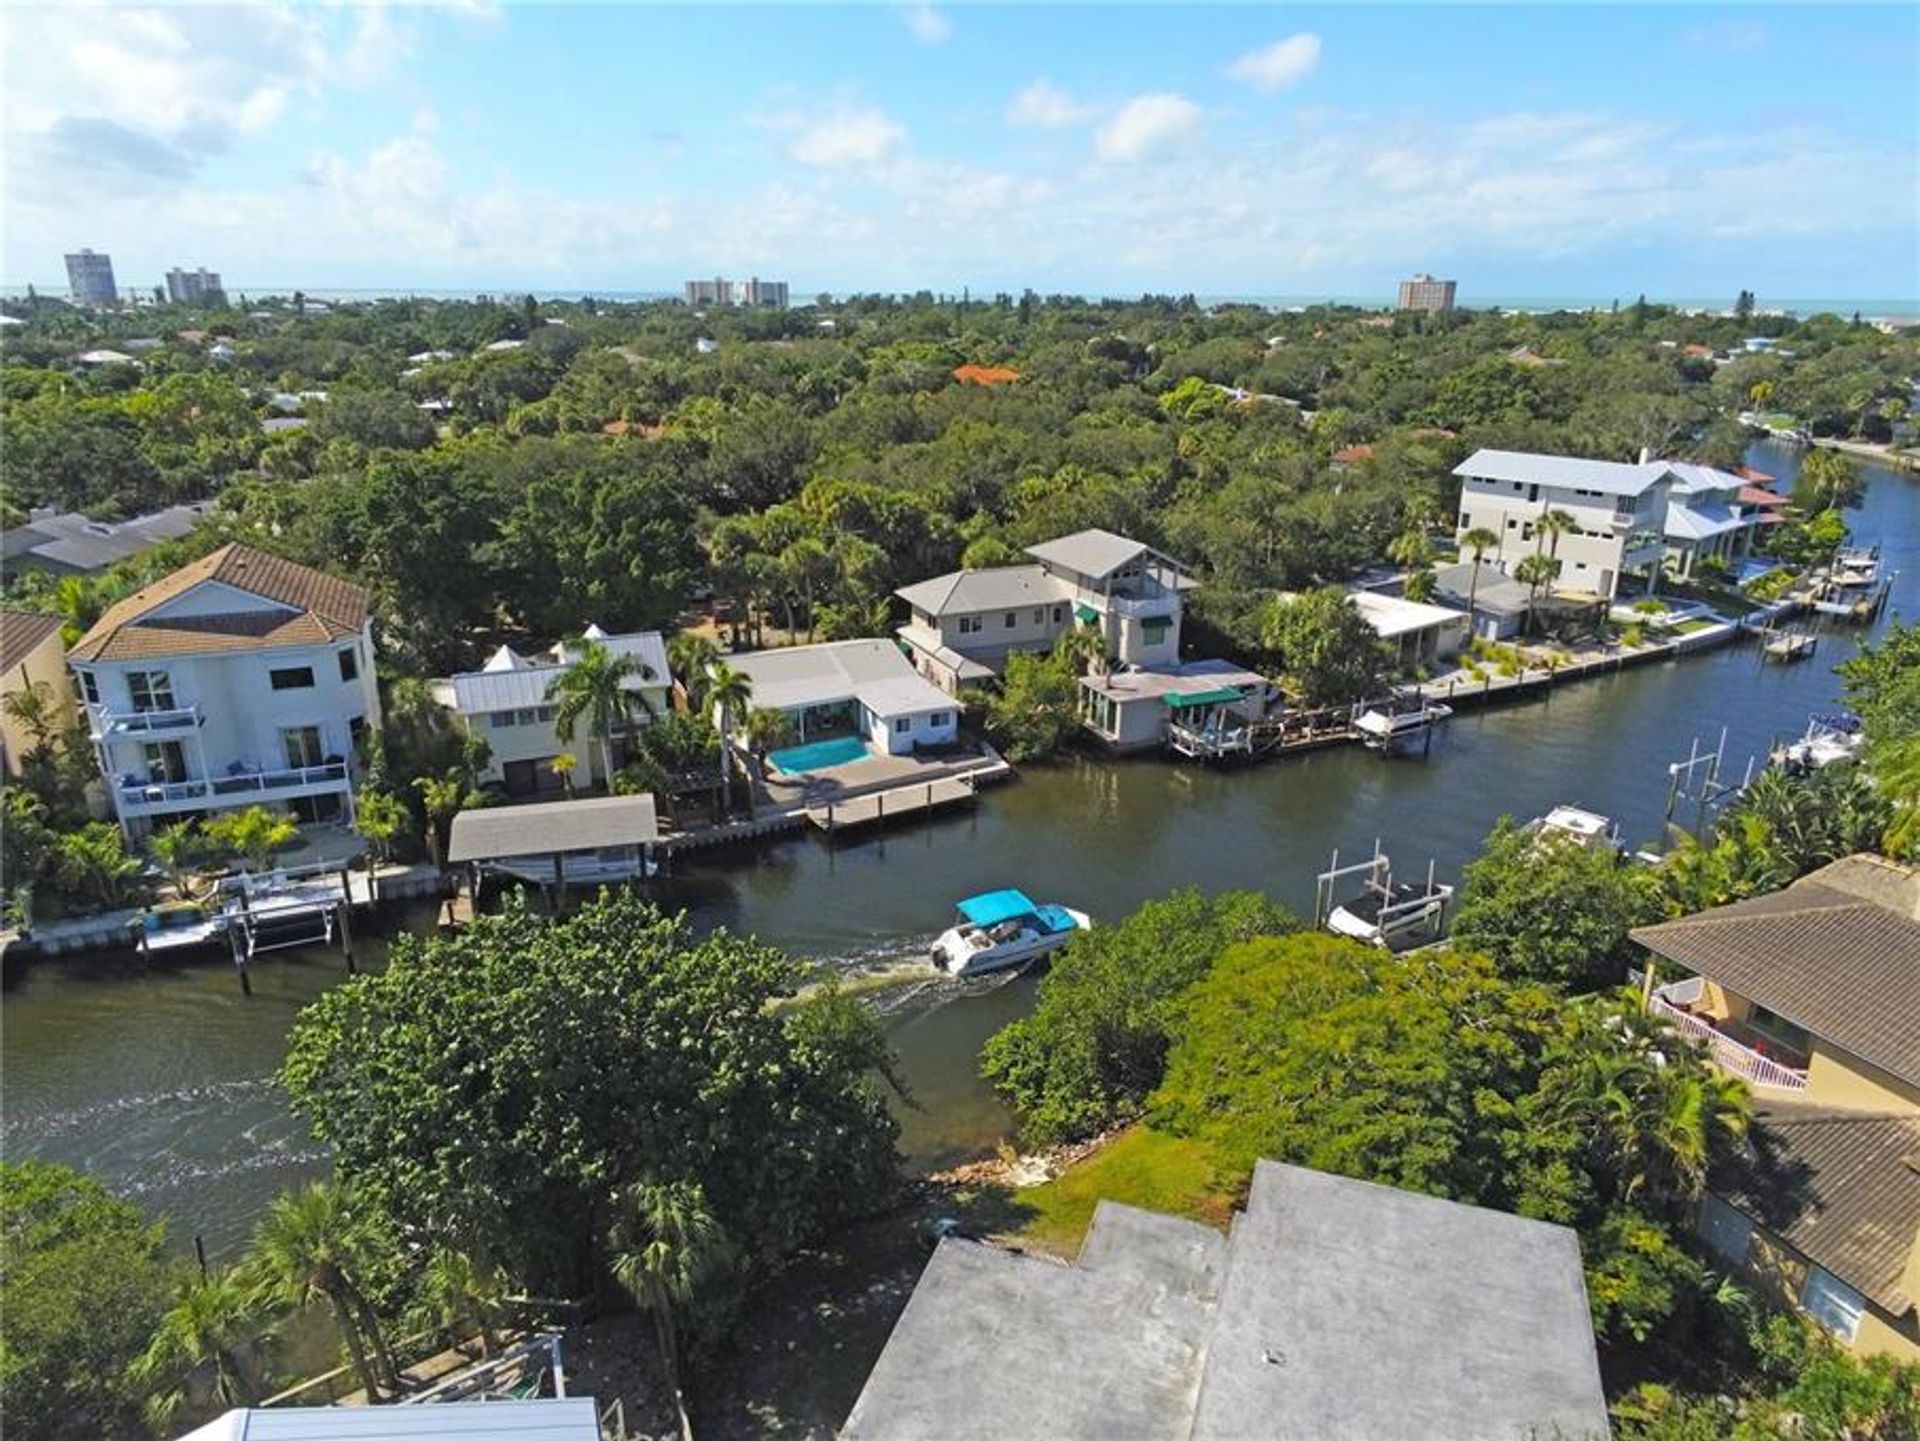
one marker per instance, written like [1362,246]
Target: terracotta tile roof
[326,608]
[21,632]
[1760,495]
[1353,454]
[1840,1187]
[984,374]
[1830,960]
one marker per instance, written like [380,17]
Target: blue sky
[1246,149]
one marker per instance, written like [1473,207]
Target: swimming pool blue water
[798,760]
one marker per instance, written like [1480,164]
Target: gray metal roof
[1700,520]
[551,828]
[1333,1309]
[874,672]
[1565,472]
[574,1418]
[1095,554]
[76,542]
[482,691]
[1000,587]
[1498,592]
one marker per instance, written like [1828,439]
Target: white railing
[1161,603]
[108,723]
[1729,1054]
[138,795]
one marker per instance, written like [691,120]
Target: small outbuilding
[1417,633]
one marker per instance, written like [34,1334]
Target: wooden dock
[895,803]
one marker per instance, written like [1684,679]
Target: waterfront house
[864,690]
[241,679]
[1811,995]
[32,655]
[1498,601]
[1331,1308]
[1619,514]
[506,701]
[1415,633]
[964,625]
[1137,707]
[1708,515]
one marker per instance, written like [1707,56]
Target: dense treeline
[615,462]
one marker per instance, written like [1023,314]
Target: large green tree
[1331,654]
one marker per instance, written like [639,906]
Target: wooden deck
[897,803]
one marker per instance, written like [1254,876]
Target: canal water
[158,1081]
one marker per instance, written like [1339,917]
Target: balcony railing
[139,795]
[109,724]
[1145,607]
[1729,1054]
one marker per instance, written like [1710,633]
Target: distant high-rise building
[718,291]
[1423,292]
[90,279]
[193,287]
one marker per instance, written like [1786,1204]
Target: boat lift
[1697,779]
[283,910]
[1390,908]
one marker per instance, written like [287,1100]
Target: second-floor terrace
[107,723]
[1758,1054]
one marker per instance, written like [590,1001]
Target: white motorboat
[1384,725]
[1829,740]
[1587,829]
[999,929]
[1856,566]
[1386,911]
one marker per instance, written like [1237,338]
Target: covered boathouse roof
[552,828]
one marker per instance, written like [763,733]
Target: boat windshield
[1054,919]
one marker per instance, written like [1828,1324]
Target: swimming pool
[819,756]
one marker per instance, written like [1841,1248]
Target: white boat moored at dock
[1587,829]
[1405,716]
[1829,740]
[1856,566]
[1388,913]
[999,929]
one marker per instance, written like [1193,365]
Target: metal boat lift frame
[1393,915]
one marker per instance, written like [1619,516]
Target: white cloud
[1045,106]
[929,25]
[1279,65]
[1149,125]
[846,135]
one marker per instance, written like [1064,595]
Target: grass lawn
[1140,1167]
[1698,623]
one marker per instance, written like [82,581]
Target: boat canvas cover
[993,907]
[1219,695]
[1055,919]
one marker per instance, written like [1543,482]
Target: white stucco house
[506,702]
[1619,513]
[1708,514]
[964,625]
[858,688]
[242,679]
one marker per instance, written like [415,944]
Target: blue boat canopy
[993,907]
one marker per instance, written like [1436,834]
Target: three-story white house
[966,623]
[242,679]
[1619,514]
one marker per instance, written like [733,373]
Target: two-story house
[241,679]
[508,702]
[1708,516]
[966,623]
[1619,514]
[1811,995]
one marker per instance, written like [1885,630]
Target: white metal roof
[571,1419]
[512,682]
[1691,479]
[1092,553]
[874,672]
[1000,587]
[1392,615]
[552,827]
[1563,472]
[1700,521]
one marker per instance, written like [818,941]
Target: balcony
[1727,1053]
[138,798]
[143,724]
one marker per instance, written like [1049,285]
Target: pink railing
[1729,1054]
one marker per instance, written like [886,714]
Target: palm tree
[1828,480]
[691,655]
[1411,549]
[94,859]
[178,849]
[301,1253]
[594,688]
[211,1336]
[444,799]
[1535,572]
[1551,526]
[1084,648]
[665,1242]
[1479,540]
[462,1290]
[767,730]
[32,708]
[381,817]
[253,834]
[730,691]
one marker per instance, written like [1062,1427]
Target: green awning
[1086,614]
[1221,695]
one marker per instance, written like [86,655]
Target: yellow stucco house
[1811,995]
[31,654]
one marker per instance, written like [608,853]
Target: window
[90,687]
[527,717]
[1778,1028]
[1466,521]
[1059,614]
[501,719]
[1832,1302]
[1039,615]
[357,734]
[903,725]
[1012,620]
[942,720]
[166,762]
[293,677]
[545,713]
[302,745]
[1155,629]
[969,625]
[1727,1233]
[150,689]
[349,664]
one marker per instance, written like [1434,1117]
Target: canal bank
[158,1080]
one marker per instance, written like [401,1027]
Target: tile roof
[1841,1187]
[325,608]
[984,374]
[1842,963]
[21,633]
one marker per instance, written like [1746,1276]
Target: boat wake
[51,1124]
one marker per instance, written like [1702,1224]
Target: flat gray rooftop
[552,828]
[1335,1309]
